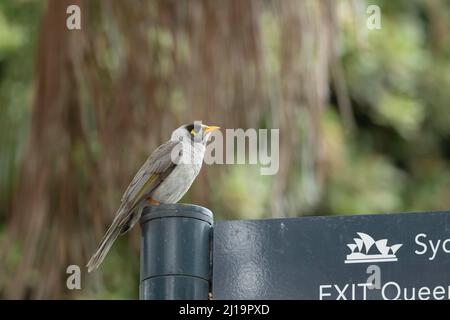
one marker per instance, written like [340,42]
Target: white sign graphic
[367,250]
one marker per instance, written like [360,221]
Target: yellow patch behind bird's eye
[193,132]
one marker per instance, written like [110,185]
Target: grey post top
[176,210]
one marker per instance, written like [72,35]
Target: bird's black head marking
[189,127]
[195,130]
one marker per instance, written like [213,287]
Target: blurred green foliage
[398,160]
[18,39]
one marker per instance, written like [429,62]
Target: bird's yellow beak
[211,128]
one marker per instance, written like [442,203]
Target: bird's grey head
[195,132]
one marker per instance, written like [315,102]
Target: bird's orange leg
[152,201]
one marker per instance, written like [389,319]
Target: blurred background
[363,116]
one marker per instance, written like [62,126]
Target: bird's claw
[153,201]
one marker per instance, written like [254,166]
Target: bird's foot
[153,201]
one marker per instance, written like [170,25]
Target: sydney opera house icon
[367,250]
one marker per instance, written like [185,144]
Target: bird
[165,177]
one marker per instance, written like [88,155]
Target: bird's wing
[158,165]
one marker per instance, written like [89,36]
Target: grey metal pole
[175,252]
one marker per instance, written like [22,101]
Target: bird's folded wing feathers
[157,166]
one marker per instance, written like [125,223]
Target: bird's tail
[106,243]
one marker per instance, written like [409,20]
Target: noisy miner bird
[164,178]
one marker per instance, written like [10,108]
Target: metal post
[175,252]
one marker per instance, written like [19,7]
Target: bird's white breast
[173,188]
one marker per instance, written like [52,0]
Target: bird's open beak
[211,128]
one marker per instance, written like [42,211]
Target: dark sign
[388,256]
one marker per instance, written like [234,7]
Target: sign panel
[386,257]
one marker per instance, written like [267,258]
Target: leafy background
[363,116]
